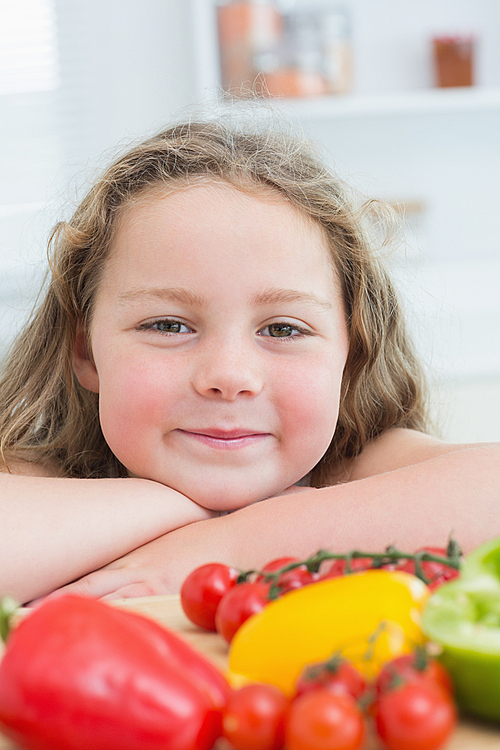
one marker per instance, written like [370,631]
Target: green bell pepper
[463,617]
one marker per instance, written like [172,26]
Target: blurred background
[404,98]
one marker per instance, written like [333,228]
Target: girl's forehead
[212,190]
[205,216]
[186,198]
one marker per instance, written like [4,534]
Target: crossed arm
[54,530]
[446,490]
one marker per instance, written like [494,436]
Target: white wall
[133,63]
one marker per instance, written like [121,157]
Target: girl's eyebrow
[187,297]
[165,294]
[277,296]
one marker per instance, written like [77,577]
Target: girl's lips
[227,440]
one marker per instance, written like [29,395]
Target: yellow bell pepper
[370,617]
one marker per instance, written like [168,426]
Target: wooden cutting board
[167,610]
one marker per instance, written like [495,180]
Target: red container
[454,60]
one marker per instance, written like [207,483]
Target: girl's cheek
[312,398]
[129,398]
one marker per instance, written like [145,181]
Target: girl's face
[218,344]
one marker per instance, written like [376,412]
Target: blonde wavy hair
[47,416]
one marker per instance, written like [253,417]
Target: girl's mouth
[226,439]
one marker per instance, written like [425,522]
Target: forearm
[56,530]
[457,493]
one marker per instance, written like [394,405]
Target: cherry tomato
[203,590]
[419,715]
[295,579]
[321,720]
[238,604]
[274,565]
[292,579]
[337,568]
[254,717]
[409,667]
[437,573]
[336,675]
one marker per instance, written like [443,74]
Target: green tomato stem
[8,606]
[379,559]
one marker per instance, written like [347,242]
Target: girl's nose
[226,371]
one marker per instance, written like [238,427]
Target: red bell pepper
[80,674]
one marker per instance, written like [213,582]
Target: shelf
[430,101]
[473,99]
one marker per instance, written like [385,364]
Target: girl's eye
[285,331]
[166,326]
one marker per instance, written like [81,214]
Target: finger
[53,595]
[97,584]
[136,590]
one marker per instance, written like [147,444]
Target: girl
[219,335]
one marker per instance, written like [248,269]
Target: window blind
[32,150]
[28,46]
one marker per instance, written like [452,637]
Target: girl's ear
[83,364]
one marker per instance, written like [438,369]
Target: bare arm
[55,530]
[421,504]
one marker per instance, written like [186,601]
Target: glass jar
[249,39]
[315,53]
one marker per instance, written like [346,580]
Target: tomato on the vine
[203,590]
[321,720]
[418,715]
[295,579]
[274,565]
[338,568]
[410,667]
[436,573]
[254,717]
[238,604]
[336,674]
[289,580]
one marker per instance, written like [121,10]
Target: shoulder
[395,449]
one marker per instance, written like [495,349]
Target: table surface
[166,610]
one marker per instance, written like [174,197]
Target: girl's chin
[221,497]
[226,505]
[223,500]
